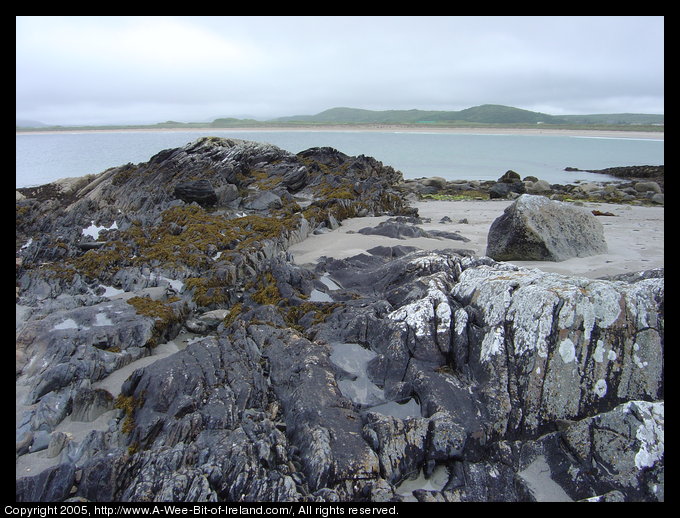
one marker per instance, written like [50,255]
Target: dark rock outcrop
[200,191]
[205,366]
[404,228]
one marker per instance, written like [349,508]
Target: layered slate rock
[502,383]
[200,191]
[535,228]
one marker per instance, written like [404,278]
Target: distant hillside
[23,123]
[615,118]
[483,114]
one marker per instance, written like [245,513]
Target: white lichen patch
[598,353]
[492,343]
[531,311]
[600,388]
[433,308]
[567,350]
[460,321]
[650,433]
[639,297]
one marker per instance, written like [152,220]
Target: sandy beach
[635,237]
[391,128]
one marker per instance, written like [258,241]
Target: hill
[25,123]
[483,114]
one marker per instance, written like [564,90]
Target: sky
[138,70]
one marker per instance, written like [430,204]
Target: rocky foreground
[168,348]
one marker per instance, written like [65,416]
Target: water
[353,359]
[45,157]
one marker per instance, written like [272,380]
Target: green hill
[499,114]
[483,114]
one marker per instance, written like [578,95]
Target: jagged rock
[226,193]
[534,228]
[90,404]
[263,201]
[510,177]
[52,485]
[83,343]
[200,191]
[399,229]
[479,372]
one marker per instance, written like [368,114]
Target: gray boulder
[537,186]
[535,228]
[647,186]
[263,200]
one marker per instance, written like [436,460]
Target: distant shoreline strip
[386,128]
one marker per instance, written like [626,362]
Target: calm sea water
[42,158]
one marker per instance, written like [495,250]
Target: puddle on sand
[436,482]
[354,359]
[330,283]
[320,296]
[401,410]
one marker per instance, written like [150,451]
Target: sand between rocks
[635,237]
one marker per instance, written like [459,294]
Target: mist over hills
[491,114]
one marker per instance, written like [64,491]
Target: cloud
[149,69]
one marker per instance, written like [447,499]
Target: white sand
[635,237]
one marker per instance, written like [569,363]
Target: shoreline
[381,128]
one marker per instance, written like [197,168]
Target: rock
[399,229]
[263,201]
[537,187]
[648,186]
[587,188]
[226,193]
[510,177]
[200,191]
[90,404]
[52,485]
[394,229]
[505,189]
[58,442]
[434,181]
[534,228]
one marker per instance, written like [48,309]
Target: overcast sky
[107,70]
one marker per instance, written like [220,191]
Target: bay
[45,157]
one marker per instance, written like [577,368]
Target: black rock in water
[198,363]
